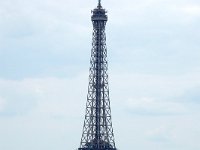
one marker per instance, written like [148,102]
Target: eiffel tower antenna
[99,2]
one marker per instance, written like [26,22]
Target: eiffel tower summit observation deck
[97,129]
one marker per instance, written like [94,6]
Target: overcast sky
[154,73]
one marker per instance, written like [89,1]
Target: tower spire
[99,4]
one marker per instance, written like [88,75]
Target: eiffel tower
[97,130]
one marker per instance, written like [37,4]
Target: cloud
[47,96]
[42,110]
[19,100]
[153,94]
[42,34]
[193,10]
[161,134]
[2,104]
[150,106]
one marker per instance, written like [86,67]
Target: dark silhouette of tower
[97,130]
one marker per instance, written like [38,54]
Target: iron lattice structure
[97,130]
